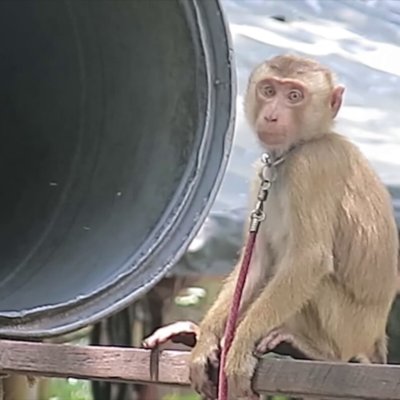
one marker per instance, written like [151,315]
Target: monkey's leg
[282,342]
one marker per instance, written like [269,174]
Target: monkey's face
[290,99]
[280,105]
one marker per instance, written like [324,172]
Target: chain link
[267,176]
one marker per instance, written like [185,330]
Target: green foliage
[280,398]
[181,397]
[73,389]
[69,389]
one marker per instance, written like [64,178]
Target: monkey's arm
[215,319]
[204,360]
[294,284]
[306,261]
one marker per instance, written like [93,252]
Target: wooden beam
[274,376]
[328,380]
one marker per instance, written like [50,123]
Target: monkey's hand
[184,332]
[239,368]
[204,364]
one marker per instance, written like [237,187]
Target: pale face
[280,104]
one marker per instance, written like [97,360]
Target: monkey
[323,272]
[187,333]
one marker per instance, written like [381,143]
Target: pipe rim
[221,80]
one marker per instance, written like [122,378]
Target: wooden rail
[276,376]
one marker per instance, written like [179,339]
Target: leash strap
[267,176]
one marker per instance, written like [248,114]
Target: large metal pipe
[117,120]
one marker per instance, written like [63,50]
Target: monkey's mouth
[270,138]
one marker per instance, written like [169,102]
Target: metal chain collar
[267,177]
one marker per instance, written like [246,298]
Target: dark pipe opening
[116,126]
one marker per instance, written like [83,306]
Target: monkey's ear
[336,100]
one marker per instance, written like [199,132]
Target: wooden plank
[274,376]
[91,362]
[328,380]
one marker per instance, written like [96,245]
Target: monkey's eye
[295,96]
[268,91]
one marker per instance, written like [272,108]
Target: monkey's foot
[284,343]
[360,359]
[273,340]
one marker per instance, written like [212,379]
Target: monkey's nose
[270,118]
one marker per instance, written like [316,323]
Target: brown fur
[325,264]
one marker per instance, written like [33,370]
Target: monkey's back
[349,312]
[365,246]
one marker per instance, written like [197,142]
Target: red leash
[233,315]
[256,217]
